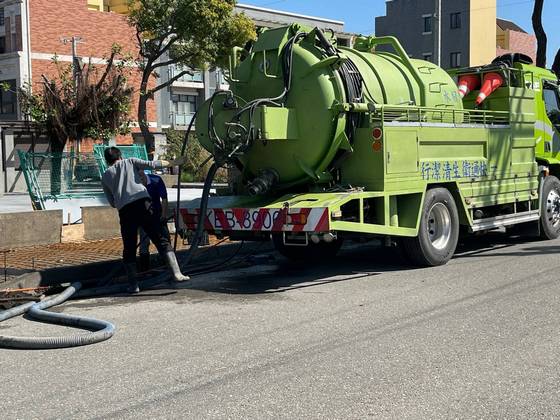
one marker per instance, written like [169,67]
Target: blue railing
[197,76]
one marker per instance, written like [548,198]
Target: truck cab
[547,108]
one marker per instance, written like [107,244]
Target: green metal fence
[133,151]
[55,176]
[59,176]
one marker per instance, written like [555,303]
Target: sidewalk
[72,208]
[15,203]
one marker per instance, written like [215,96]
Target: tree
[542,39]
[198,159]
[556,64]
[187,33]
[539,33]
[95,104]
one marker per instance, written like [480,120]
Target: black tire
[550,208]
[439,231]
[312,252]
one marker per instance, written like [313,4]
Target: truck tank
[296,100]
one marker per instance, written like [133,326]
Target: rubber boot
[174,267]
[132,280]
[144,263]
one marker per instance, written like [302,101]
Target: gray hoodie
[122,184]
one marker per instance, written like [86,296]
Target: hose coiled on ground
[102,330]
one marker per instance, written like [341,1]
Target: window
[427,56]
[455,59]
[184,104]
[2,44]
[427,24]
[455,20]
[196,76]
[550,96]
[220,78]
[8,99]
[550,99]
[2,22]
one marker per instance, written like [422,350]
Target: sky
[359,15]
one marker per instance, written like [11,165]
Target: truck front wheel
[439,231]
[550,208]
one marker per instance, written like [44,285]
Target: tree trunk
[145,125]
[539,33]
[57,148]
[556,64]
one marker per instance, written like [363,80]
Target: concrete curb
[30,228]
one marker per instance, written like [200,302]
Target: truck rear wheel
[439,231]
[550,208]
[310,252]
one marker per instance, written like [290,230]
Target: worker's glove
[180,161]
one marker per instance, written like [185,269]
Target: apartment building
[34,31]
[451,33]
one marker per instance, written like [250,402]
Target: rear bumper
[219,220]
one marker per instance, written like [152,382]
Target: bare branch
[170,62]
[169,82]
[167,46]
[108,69]
[140,43]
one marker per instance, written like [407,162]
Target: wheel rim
[439,226]
[553,208]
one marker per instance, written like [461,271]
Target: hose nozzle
[264,182]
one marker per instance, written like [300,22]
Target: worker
[124,191]
[158,193]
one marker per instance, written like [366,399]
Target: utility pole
[76,70]
[76,67]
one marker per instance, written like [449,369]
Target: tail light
[296,219]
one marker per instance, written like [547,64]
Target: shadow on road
[488,244]
[355,262]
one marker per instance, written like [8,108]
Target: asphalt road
[361,336]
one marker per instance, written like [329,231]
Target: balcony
[181,121]
[197,77]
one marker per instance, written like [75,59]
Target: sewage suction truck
[331,143]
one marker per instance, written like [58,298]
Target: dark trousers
[140,214]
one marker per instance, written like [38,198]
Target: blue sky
[359,14]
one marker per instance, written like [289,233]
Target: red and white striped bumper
[260,220]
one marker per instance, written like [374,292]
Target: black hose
[287,64]
[183,152]
[101,330]
[202,213]
[204,200]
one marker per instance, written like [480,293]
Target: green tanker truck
[332,143]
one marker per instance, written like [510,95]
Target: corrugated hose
[98,330]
